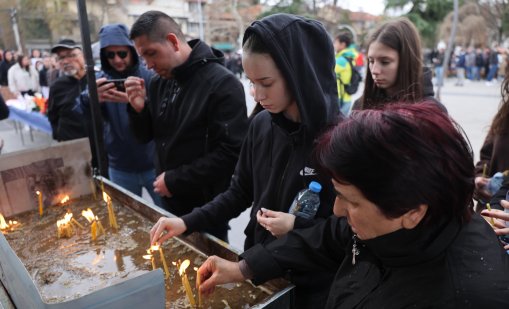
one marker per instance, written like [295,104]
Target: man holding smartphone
[130,164]
[194,109]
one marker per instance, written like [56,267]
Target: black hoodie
[275,160]
[198,121]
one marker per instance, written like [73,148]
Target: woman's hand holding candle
[217,271]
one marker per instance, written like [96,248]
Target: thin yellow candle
[484,170]
[157,247]
[198,283]
[100,227]
[491,219]
[89,215]
[185,282]
[39,197]
[111,213]
[93,230]
[64,227]
[77,223]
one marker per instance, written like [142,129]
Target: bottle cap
[315,187]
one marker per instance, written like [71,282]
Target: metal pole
[201,19]
[15,29]
[97,128]
[448,50]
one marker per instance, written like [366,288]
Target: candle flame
[196,268]
[185,264]
[64,200]
[147,257]
[154,247]
[37,192]
[3,224]
[67,218]
[88,214]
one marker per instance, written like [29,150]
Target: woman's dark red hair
[401,157]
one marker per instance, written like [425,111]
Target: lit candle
[3,224]
[185,282]
[111,213]
[151,258]
[157,247]
[39,197]
[64,200]
[64,227]
[89,215]
[198,283]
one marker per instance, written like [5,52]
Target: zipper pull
[355,250]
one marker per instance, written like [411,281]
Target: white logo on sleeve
[308,171]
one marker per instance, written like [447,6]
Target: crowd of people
[22,74]
[396,219]
[469,63]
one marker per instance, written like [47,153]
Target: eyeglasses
[70,55]
[111,55]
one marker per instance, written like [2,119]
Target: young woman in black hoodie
[290,62]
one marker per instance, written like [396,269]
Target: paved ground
[472,106]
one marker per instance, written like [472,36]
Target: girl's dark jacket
[198,121]
[446,265]
[275,162]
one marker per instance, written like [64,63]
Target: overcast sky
[375,7]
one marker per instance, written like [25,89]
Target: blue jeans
[492,72]
[135,182]
[438,75]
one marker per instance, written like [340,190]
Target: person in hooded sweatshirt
[130,163]
[297,89]
[403,241]
[395,67]
[195,111]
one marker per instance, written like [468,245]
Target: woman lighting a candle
[403,228]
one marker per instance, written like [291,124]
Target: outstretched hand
[216,271]
[278,223]
[166,228]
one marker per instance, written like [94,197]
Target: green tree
[427,15]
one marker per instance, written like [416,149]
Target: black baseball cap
[66,44]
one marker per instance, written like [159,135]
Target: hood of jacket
[303,52]
[116,35]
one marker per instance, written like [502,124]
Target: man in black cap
[64,113]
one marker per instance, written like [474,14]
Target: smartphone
[119,83]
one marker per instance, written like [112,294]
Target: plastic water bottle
[495,182]
[307,201]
